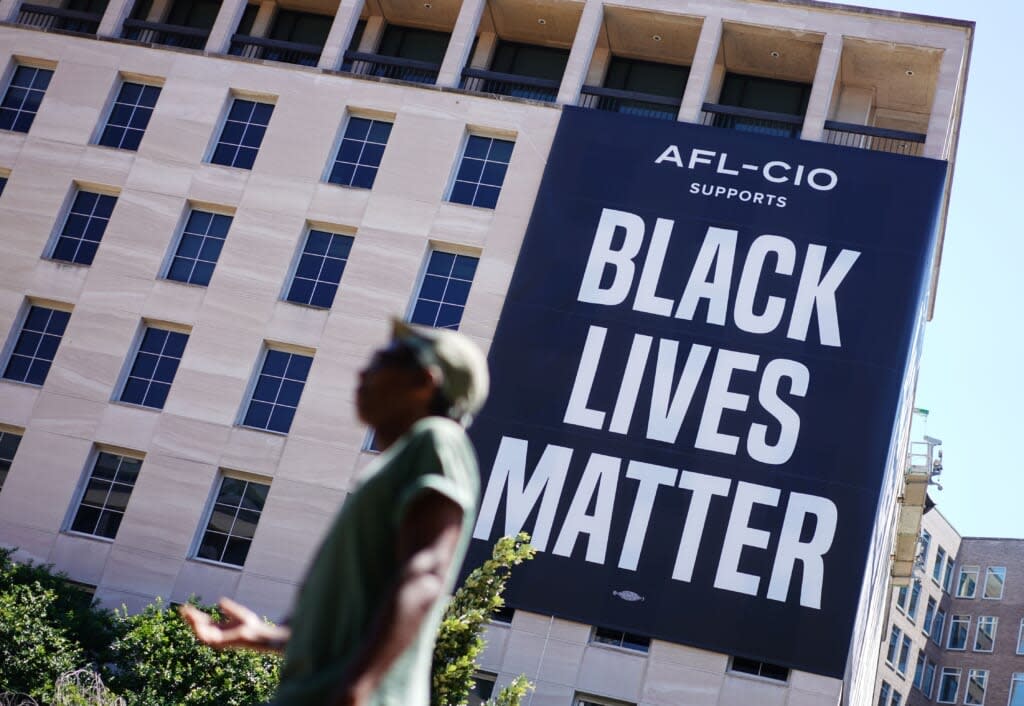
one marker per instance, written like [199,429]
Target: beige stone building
[209,210]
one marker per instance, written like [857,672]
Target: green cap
[463,367]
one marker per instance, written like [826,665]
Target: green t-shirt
[356,568]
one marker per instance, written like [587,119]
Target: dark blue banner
[696,376]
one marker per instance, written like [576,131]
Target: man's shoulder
[439,430]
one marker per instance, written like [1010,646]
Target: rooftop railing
[165,34]
[868,137]
[44,17]
[538,89]
[762,122]
[364,64]
[630,102]
[275,50]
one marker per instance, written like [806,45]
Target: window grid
[929,679]
[929,616]
[23,97]
[768,670]
[947,579]
[959,628]
[3,184]
[277,392]
[199,247]
[940,560]
[1020,638]
[9,442]
[154,368]
[1016,689]
[985,633]
[901,665]
[894,642]
[949,685]
[129,116]
[915,600]
[233,519]
[320,268]
[995,578]
[977,682]
[620,638]
[967,582]
[242,134]
[444,290]
[482,171]
[84,227]
[37,345]
[938,626]
[919,669]
[883,693]
[897,699]
[106,495]
[360,152]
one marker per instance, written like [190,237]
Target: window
[901,665]
[915,600]
[444,290]
[919,669]
[618,638]
[106,495]
[129,116]
[959,626]
[760,669]
[278,389]
[83,228]
[596,701]
[947,579]
[940,561]
[3,183]
[483,688]
[897,699]
[23,97]
[937,626]
[901,598]
[156,363]
[199,247]
[894,643]
[360,152]
[949,685]
[1017,689]
[985,635]
[883,693]
[9,442]
[925,543]
[995,577]
[242,134]
[481,171]
[320,268]
[977,681]
[967,582]
[233,519]
[929,679]
[1020,638]
[503,615]
[37,345]
[929,616]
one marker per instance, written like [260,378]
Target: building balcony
[761,122]
[275,50]
[874,138]
[495,83]
[56,18]
[614,100]
[365,64]
[165,34]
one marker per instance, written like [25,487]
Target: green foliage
[84,687]
[34,646]
[459,641]
[160,663]
[513,694]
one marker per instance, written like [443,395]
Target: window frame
[984,673]
[954,619]
[903,660]
[1020,638]
[14,335]
[5,430]
[332,158]
[254,378]
[449,249]
[965,570]
[115,91]
[486,134]
[83,485]
[13,65]
[929,616]
[937,568]
[78,187]
[1016,680]
[222,122]
[940,615]
[211,503]
[172,251]
[1002,586]
[621,641]
[333,230]
[133,352]
[952,671]
[994,620]
[892,651]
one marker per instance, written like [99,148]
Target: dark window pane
[236,551]
[258,415]
[212,546]
[298,367]
[134,391]
[281,419]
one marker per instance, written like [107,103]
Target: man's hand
[241,628]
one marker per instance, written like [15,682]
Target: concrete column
[113,17]
[947,93]
[598,67]
[702,69]
[582,52]
[225,26]
[371,35]
[159,10]
[340,36]
[264,19]
[484,53]
[823,87]
[461,42]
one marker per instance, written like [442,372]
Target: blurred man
[363,627]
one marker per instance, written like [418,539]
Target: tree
[159,663]
[459,640]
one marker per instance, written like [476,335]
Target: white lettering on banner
[598,486]
[774,171]
[665,413]
[711,278]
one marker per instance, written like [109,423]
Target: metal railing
[761,122]
[537,89]
[275,50]
[45,17]
[390,67]
[631,102]
[165,34]
[879,139]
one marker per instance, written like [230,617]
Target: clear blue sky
[971,375]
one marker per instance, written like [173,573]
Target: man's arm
[427,539]
[241,628]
